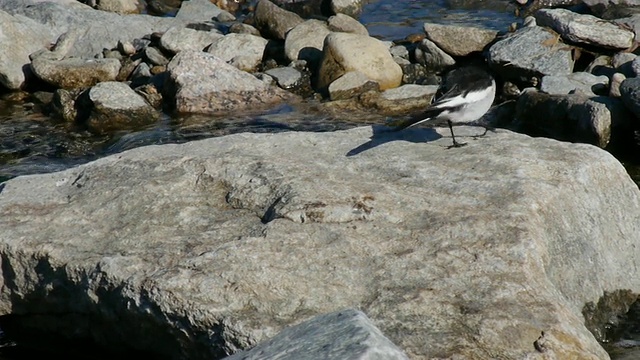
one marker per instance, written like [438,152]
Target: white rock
[178,39]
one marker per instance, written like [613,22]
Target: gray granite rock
[351,8]
[274,21]
[119,6]
[244,51]
[20,37]
[344,52]
[429,55]
[405,99]
[459,40]
[582,82]
[155,57]
[622,62]
[285,77]
[203,83]
[69,73]
[197,11]
[585,29]
[305,41]
[200,250]
[240,28]
[178,39]
[117,107]
[350,85]
[99,29]
[344,335]
[531,51]
[345,23]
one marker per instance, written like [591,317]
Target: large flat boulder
[199,250]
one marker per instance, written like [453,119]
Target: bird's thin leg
[455,143]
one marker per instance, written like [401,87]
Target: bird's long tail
[426,115]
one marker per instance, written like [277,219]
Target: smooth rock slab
[344,335]
[459,40]
[351,84]
[202,249]
[203,83]
[531,50]
[585,29]
[231,47]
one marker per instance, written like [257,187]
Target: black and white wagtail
[467,94]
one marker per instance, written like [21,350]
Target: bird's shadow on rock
[384,134]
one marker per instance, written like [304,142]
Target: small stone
[585,29]
[345,23]
[178,39]
[286,77]
[225,16]
[241,28]
[616,81]
[622,62]
[350,85]
[155,56]
[126,48]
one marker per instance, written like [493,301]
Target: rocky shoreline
[206,249]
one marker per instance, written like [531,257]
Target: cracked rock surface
[202,249]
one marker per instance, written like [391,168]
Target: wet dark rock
[418,74]
[601,7]
[127,69]
[240,28]
[574,117]
[273,21]
[155,56]
[151,94]
[630,94]
[428,54]
[63,104]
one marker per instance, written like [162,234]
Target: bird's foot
[456,145]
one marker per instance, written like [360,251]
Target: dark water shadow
[384,134]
